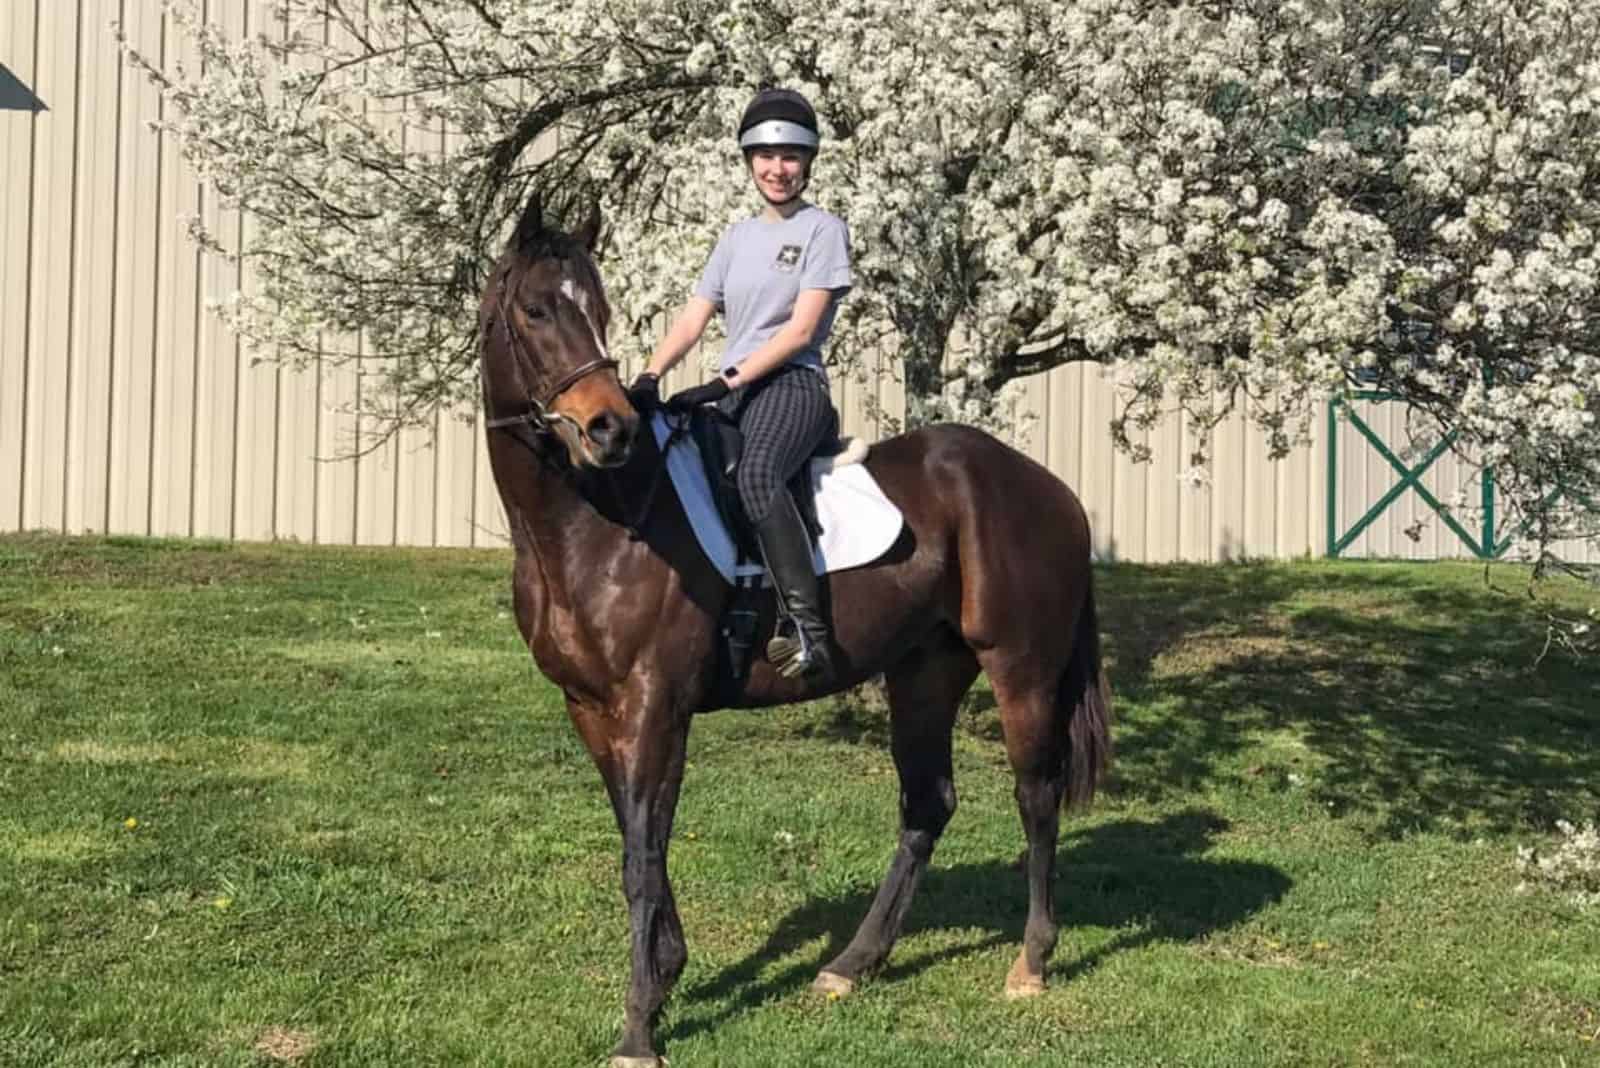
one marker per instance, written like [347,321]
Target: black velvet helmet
[779,117]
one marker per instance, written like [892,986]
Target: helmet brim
[773,133]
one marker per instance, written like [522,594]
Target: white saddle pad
[859,523]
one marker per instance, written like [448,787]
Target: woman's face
[779,173]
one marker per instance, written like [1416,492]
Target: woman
[777,277]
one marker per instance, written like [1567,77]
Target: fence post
[1333,478]
[1488,541]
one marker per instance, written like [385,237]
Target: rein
[676,432]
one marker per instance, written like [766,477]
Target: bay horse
[620,609]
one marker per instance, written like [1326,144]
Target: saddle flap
[721,446]
[717,437]
[859,522]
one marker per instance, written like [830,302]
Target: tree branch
[1064,350]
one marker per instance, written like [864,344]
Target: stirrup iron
[788,650]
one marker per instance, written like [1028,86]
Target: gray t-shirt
[759,268]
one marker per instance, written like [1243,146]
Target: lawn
[284,805]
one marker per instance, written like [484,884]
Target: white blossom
[1267,201]
[1572,866]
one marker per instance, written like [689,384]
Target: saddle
[721,446]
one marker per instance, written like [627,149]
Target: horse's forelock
[529,247]
[532,243]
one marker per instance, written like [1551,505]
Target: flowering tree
[1263,201]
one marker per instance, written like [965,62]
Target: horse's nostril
[612,436]
[602,428]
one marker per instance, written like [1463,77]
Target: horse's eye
[536,311]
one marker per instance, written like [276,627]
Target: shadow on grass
[1412,688]
[1144,880]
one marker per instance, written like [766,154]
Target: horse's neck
[555,515]
[621,527]
[582,573]
[574,523]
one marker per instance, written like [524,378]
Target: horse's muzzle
[611,436]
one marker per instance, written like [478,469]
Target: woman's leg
[783,421]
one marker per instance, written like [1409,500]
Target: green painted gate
[1488,543]
[1485,544]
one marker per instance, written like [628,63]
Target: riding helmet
[779,117]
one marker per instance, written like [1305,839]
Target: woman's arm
[809,308]
[682,335]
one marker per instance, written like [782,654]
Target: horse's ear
[532,222]
[588,234]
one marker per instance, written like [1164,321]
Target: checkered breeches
[783,418]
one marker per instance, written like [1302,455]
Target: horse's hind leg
[1035,744]
[925,690]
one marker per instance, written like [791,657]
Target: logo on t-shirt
[788,256]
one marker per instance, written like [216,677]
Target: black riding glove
[645,393]
[708,393]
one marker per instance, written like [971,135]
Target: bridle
[539,415]
[541,419]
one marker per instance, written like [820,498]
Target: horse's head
[542,328]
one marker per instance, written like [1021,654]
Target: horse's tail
[1085,701]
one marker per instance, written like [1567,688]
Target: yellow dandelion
[130,823]
[222,903]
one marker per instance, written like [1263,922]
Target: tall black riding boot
[804,649]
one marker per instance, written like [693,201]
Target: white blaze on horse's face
[577,295]
[593,418]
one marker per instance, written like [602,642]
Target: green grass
[366,834]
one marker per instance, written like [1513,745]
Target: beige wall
[125,407]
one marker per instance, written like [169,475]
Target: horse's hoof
[1027,988]
[638,1062]
[833,985]
[1022,983]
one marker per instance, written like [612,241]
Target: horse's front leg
[640,754]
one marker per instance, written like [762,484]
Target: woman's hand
[645,393]
[707,393]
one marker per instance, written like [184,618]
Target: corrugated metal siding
[1250,507]
[17,38]
[126,407]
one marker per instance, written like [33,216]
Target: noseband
[539,416]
